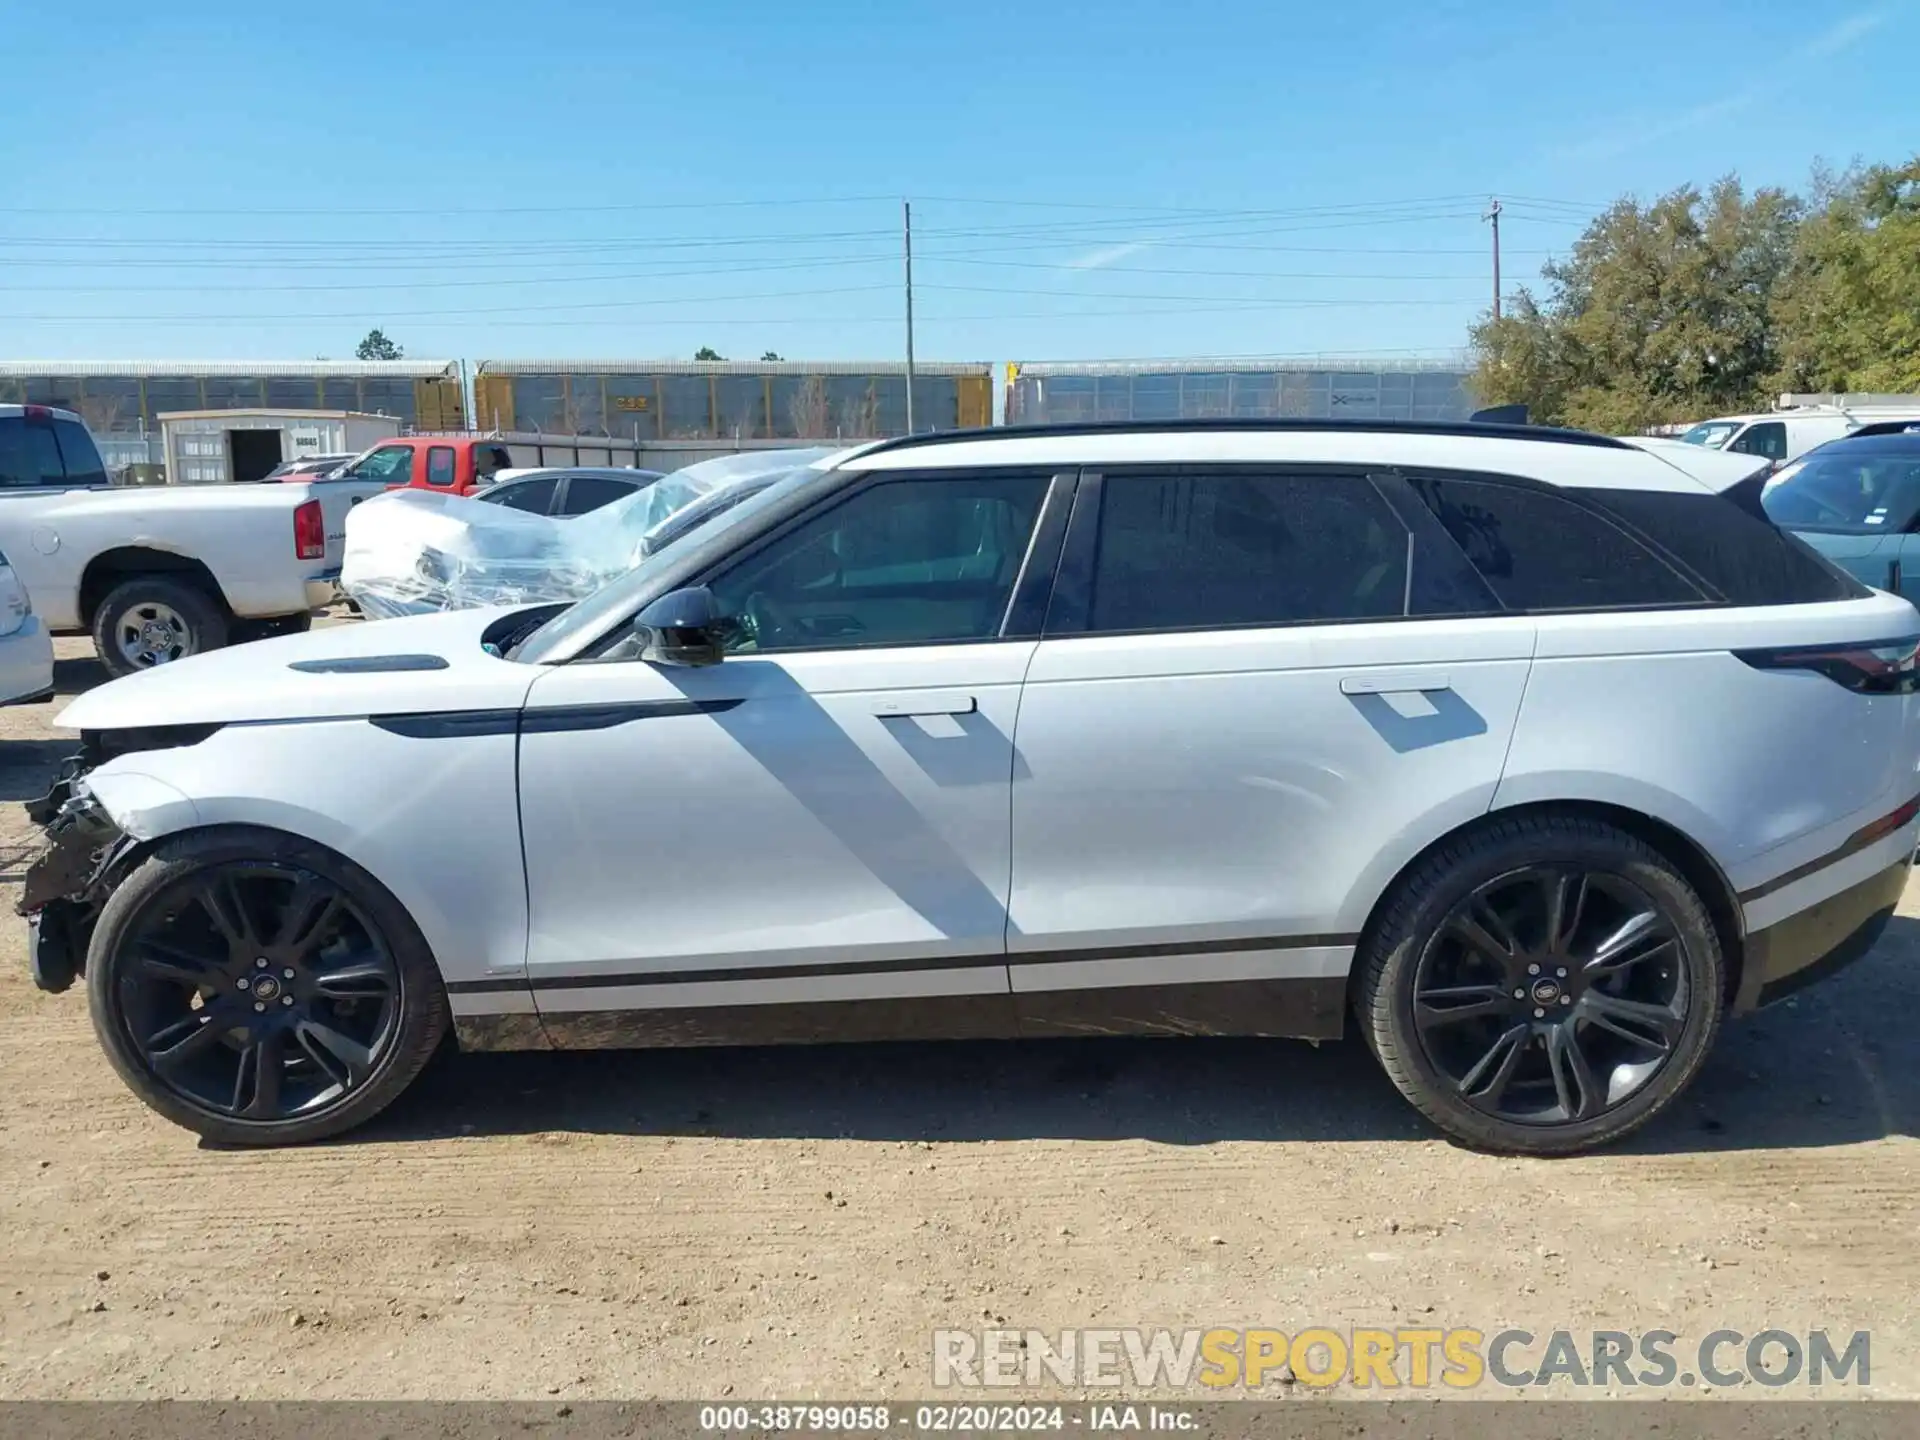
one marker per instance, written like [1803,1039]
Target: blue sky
[587,178]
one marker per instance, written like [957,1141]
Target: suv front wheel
[1544,985]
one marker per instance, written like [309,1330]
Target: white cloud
[1112,254]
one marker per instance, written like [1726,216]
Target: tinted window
[590,492]
[1190,551]
[1738,552]
[1541,551]
[533,495]
[82,456]
[391,464]
[1768,439]
[29,455]
[902,562]
[440,465]
[1864,490]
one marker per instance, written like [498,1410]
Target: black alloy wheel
[1552,994]
[260,992]
[1541,983]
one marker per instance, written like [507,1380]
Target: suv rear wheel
[1544,985]
[153,620]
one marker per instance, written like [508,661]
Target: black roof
[1885,439]
[1470,429]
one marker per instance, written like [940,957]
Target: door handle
[889,707]
[1394,682]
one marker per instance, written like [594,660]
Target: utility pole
[906,217]
[1493,214]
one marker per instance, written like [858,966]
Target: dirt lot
[796,1222]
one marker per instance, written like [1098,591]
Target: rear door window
[29,454]
[589,492]
[1538,550]
[440,465]
[535,496]
[1202,548]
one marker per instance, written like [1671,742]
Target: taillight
[309,531]
[1873,667]
[36,414]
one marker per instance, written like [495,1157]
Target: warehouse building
[128,397]
[1065,393]
[726,400]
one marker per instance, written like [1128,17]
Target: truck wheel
[152,620]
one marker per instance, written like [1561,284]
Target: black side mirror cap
[682,627]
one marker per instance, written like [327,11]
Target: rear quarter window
[1540,550]
[1729,543]
[79,454]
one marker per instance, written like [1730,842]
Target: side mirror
[682,627]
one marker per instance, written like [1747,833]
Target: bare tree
[101,413]
[809,410]
[860,419]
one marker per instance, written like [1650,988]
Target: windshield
[618,596]
[1858,493]
[1711,433]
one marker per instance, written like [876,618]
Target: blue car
[1857,501]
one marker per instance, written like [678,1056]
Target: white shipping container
[212,447]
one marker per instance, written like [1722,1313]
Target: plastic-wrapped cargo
[412,551]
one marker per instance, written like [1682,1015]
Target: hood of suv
[422,663]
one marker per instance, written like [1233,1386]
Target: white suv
[1528,755]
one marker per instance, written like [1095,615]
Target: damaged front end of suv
[87,853]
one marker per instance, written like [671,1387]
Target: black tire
[1418,945]
[202,620]
[243,632]
[392,1039]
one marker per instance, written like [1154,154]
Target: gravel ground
[796,1222]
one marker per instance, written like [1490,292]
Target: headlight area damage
[87,854]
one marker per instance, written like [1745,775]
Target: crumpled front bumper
[64,889]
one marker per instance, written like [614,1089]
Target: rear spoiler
[1499,415]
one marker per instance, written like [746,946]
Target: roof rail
[1465,429]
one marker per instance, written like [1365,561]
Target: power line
[473,317]
[1091,231]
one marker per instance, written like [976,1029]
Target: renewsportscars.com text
[1400,1358]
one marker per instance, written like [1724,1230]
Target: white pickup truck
[157,573]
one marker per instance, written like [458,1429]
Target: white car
[26,649]
[1528,756]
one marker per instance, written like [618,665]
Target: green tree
[771,355]
[1848,312]
[707,352]
[378,347]
[1660,313]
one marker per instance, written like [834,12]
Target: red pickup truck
[461,464]
[454,463]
